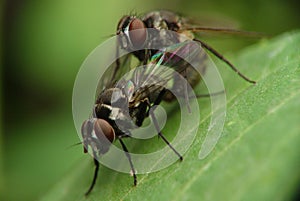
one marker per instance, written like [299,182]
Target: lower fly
[122,106]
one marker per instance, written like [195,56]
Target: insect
[166,20]
[122,105]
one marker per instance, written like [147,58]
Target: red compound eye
[103,127]
[137,33]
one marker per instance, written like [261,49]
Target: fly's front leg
[96,162]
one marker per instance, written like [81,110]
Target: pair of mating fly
[123,104]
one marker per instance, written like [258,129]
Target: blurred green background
[44,43]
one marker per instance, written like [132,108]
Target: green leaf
[256,158]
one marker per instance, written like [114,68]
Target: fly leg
[95,175]
[150,111]
[129,159]
[162,136]
[217,54]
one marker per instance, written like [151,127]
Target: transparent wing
[167,66]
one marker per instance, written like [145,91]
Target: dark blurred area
[44,44]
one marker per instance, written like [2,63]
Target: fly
[166,20]
[122,104]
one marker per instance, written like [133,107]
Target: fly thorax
[138,111]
